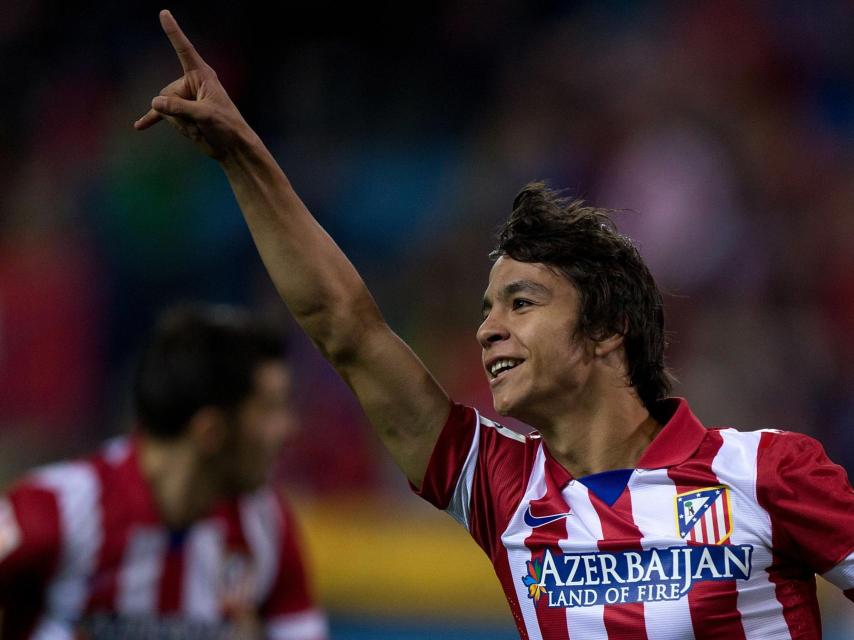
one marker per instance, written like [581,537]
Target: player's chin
[503,404]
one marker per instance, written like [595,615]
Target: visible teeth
[502,365]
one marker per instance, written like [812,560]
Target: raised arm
[315,279]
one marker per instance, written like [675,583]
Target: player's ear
[208,430]
[607,346]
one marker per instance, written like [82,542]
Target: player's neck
[180,488]
[601,432]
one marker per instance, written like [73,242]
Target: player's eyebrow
[527,286]
[512,288]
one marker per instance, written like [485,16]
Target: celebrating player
[173,532]
[622,516]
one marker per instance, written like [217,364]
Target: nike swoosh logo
[533,521]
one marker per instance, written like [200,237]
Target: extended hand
[196,104]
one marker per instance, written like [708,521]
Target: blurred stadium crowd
[724,132]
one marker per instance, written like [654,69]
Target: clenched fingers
[177,87]
[174,105]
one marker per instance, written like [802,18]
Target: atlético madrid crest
[704,516]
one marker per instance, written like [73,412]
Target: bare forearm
[313,276]
[331,302]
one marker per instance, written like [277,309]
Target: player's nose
[491,330]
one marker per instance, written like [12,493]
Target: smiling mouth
[500,367]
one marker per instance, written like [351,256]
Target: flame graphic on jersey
[532,580]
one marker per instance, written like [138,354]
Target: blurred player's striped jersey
[716,534]
[84,554]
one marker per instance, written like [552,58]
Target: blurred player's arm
[30,543]
[315,279]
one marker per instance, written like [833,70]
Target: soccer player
[173,532]
[587,521]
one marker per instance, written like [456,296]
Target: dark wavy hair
[197,356]
[617,292]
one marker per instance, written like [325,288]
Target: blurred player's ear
[207,430]
[607,346]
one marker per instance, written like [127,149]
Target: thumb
[175,106]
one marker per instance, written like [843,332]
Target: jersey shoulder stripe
[502,430]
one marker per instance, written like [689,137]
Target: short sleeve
[290,612]
[476,473]
[811,505]
[30,540]
[452,457]
[29,537]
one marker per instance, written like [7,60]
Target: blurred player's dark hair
[197,356]
[618,294]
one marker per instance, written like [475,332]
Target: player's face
[533,361]
[265,421]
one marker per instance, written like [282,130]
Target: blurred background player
[173,531]
[586,522]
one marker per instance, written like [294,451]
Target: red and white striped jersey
[716,534]
[84,554]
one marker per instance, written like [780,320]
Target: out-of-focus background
[724,130]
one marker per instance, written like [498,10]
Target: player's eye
[519,303]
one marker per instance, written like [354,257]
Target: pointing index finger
[187,54]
